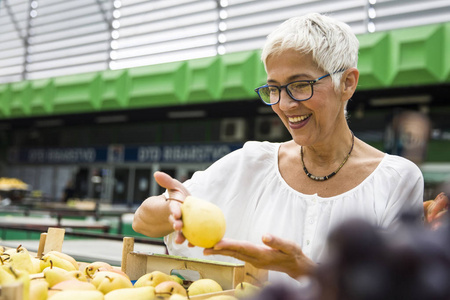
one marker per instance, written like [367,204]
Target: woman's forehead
[291,65]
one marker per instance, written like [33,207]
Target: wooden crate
[228,275]
[136,264]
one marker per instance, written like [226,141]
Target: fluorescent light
[420,99]
[49,123]
[111,119]
[186,114]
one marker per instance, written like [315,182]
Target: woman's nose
[286,102]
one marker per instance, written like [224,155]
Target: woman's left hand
[277,254]
[435,210]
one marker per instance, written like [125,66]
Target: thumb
[166,181]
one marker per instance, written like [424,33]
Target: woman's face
[312,121]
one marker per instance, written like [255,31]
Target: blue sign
[179,153]
[195,153]
[58,155]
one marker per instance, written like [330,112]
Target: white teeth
[298,119]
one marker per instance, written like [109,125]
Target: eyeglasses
[300,90]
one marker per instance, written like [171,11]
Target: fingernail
[267,238]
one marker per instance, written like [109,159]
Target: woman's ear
[349,82]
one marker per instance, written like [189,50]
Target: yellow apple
[21,260]
[78,275]
[38,289]
[152,279]
[51,259]
[65,257]
[203,222]
[36,264]
[246,289]
[107,281]
[169,288]
[91,268]
[55,275]
[74,284]
[6,276]
[203,286]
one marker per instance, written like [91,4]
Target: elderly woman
[281,200]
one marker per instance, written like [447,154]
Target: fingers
[436,206]
[241,250]
[442,201]
[179,239]
[280,244]
[238,255]
[177,224]
[175,209]
[228,246]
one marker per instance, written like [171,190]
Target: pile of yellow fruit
[8,184]
[58,276]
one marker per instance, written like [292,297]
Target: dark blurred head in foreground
[412,262]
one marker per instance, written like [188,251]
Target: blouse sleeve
[407,184]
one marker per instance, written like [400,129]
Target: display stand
[136,264]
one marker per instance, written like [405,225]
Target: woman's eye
[273,90]
[299,86]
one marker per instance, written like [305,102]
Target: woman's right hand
[177,193]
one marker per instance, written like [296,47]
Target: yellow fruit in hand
[203,222]
[203,286]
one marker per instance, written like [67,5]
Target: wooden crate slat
[227,275]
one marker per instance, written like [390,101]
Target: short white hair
[331,43]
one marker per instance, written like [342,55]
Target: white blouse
[248,187]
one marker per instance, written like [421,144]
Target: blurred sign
[196,153]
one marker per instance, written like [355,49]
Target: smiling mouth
[298,119]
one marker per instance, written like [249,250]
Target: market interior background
[96,95]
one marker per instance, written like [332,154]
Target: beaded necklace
[323,178]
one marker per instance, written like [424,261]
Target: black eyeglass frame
[310,82]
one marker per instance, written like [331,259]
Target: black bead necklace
[323,178]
